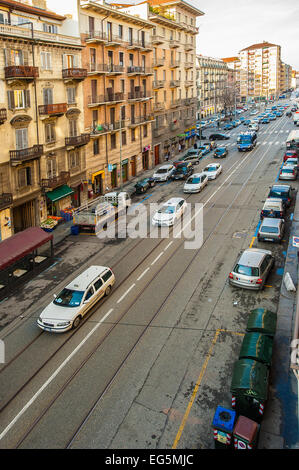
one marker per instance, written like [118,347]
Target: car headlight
[63,323]
[40,319]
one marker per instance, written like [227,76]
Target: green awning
[59,193]
[181,135]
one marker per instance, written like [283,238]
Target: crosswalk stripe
[276,142]
[270,142]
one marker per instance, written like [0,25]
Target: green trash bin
[258,347]
[249,388]
[263,321]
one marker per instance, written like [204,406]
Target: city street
[148,366]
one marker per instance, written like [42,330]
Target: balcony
[189,121]
[174,43]
[135,70]
[174,64]
[23,155]
[105,99]
[158,84]
[97,69]
[138,95]
[174,126]
[114,40]
[55,181]
[175,103]
[158,106]
[74,74]
[188,65]
[189,101]
[138,44]
[3,115]
[159,62]
[95,37]
[77,141]
[136,121]
[5,200]
[52,109]
[174,83]
[23,72]
[156,39]
[189,46]
[158,131]
[188,83]
[115,69]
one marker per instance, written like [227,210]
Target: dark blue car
[283,192]
[265,120]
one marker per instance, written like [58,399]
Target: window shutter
[25,58]
[42,60]
[7,57]
[64,61]
[11,99]
[28,176]
[76,61]
[22,178]
[49,60]
[27,99]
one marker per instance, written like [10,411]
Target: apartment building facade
[42,161]
[117,94]
[212,81]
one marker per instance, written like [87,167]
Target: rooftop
[260,45]
[13,5]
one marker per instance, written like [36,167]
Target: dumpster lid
[224,419]
[263,321]
[246,428]
[250,378]
[257,346]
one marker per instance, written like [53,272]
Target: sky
[230,25]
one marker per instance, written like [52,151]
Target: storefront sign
[110,167]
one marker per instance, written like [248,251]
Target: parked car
[274,208]
[76,299]
[221,152]
[212,170]
[170,212]
[253,126]
[219,136]
[289,154]
[288,172]
[182,171]
[195,183]
[193,157]
[143,185]
[271,230]
[247,122]
[204,149]
[252,269]
[292,161]
[164,172]
[265,120]
[283,192]
[228,126]
[272,117]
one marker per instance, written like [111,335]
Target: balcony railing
[115,68]
[21,71]
[5,200]
[174,43]
[134,70]
[175,63]
[159,106]
[114,40]
[158,83]
[95,36]
[189,46]
[156,39]
[26,154]
[159,131]
[52,109]
[3,115]
[175,103]
[173,126]
[24,32]
[56,181]
[174,83]
[139,44]
[136,120]
[77,141]
[74,73]
[188,65]
[188,82]
[106,98]
[159,62]
[97,68]
[138,95]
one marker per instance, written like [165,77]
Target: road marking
[124,295]
[267,285]
[141,275]
[168,246]
[277,142]
[253,238]
[29,403]
[159,256]
[270,142]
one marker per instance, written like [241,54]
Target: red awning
[21,244]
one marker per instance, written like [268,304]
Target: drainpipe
[103,59]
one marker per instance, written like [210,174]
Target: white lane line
[270,142]
[277,142]
[29,403]
[126,293]
[168,246]
[143,274]
[159,256]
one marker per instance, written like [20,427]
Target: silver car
[271,230]
[252,269]
[288,172]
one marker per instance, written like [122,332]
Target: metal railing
[106,98]
[56,181]
[26,154]
[77,140]
[21,71]
[74,72]
[51,109]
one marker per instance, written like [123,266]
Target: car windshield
[180,169]
[167,210]
[246,270]
[210,168]
[194,180]
[265,229]
[220,150]
[69,298]
[287,170]
[162,170]
[277,193]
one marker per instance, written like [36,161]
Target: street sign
[296,242]
[110,167]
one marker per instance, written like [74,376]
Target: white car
[212,170]
[164,172]
[73,302]
[195,183]
[254,126]
[170,212]
[288,172]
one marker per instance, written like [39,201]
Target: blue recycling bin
[75,229]
[223,427]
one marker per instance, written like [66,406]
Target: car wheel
[107,291]
[76,322]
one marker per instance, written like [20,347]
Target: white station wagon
[170,212]
[212,170]
[195,183]
[73,302]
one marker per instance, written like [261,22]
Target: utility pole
[120,151]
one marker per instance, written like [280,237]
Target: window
[124,138]
[133,138]
[15,57]
[71,95]
[94,118]
[74,159]
[51,167]
[106,276]
[121,58]
[122,85]
[48,96]
[21,138]
[69,61]
[145,131]
[50,28]
[72,128]
[24,177]
[46,60]
[96,146]
[50,132]
[89,293]
[18,99]
[120,31]
[113,141]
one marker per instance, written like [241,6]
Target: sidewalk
[279,429]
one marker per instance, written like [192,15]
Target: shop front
[133,166]
[190,135]
[113,172]
[59,200]
[24,215]
[97,181]
[157,154]
[145,157]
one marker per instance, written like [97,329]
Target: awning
[97,173]
[21,244]
[59,193]
[181,135]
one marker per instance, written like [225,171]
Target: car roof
[273,200]
[280,187]
[165,166]
[212,164]
[196,175]
[253,256]
[270,222]
[173,201]
[82,281]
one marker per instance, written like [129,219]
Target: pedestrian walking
[195,145]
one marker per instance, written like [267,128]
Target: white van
[73,302]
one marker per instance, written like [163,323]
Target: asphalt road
[150,363]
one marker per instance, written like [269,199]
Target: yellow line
[267,286]
[185,417]
[181,428]
[253,238]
